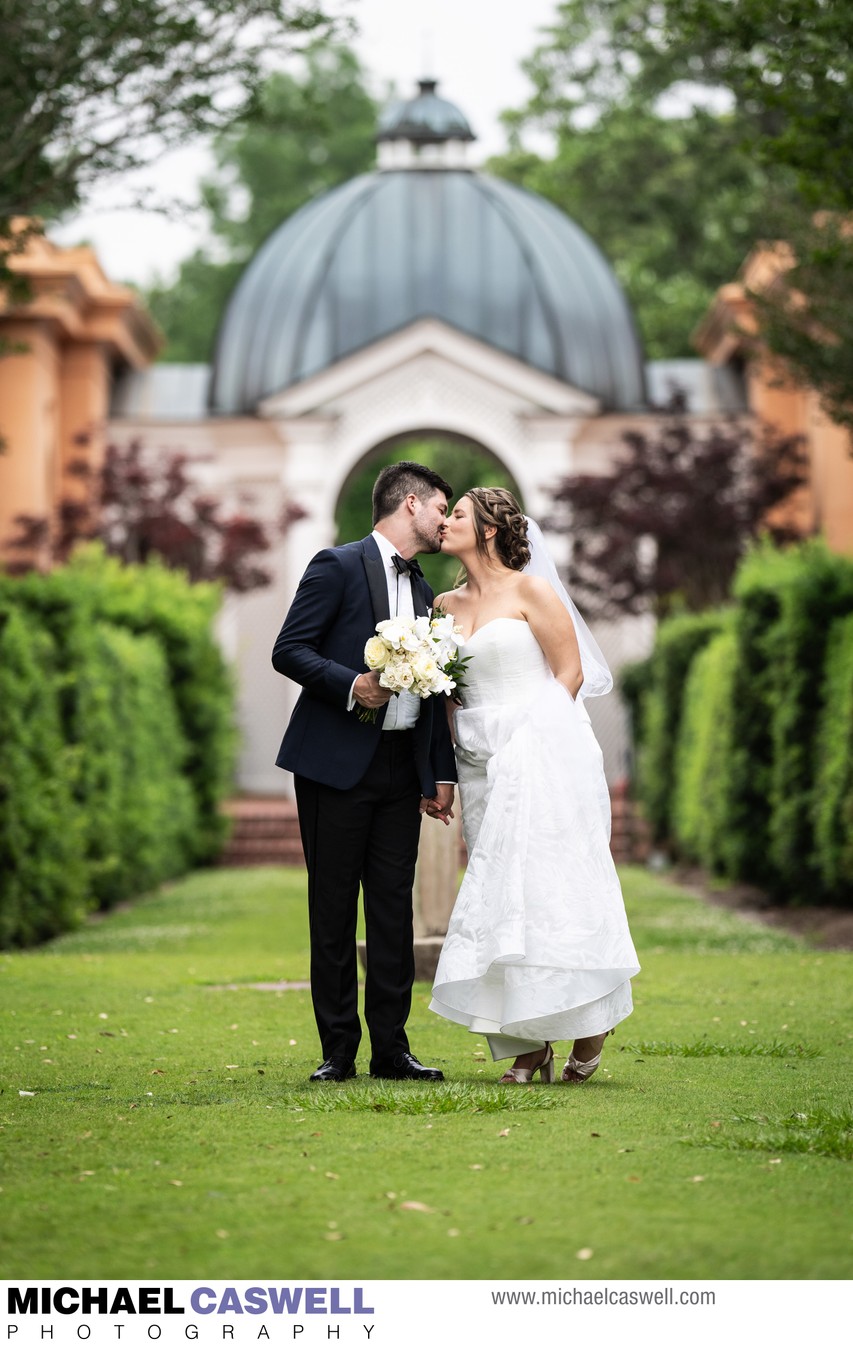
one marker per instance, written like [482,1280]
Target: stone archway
[424,433]
[458,459]
[426,375]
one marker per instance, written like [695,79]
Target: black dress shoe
[334,1070]
[404,1066]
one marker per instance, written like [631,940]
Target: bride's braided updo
[494,507]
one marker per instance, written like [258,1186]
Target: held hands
[369,693]
[441,807]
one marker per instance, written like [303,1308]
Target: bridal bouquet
[418,654]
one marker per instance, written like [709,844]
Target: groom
[361,787]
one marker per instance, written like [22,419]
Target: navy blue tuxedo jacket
[341,596]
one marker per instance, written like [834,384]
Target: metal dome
[372,256]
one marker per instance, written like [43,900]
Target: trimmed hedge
[789,600]
[91,695]
[746,720]
[701,805]
[116,738]
[833,801]
[43,874]
[153,600]
[632,683]
[678,642]
[138,804]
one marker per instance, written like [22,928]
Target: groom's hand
[441,807]
[369,693]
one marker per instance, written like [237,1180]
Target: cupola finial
[426,131]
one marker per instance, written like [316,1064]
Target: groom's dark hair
[400,479]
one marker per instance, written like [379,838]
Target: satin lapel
[419,599]
[376,581]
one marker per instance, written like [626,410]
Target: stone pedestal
[436,883]
[437,875]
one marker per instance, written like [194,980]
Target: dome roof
[372,256]
[425,119]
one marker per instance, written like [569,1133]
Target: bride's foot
[526,1066]
[585,1058]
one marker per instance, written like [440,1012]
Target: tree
[805,316]
[783,70]
[600,54]
[760,96]
[141,506]
[792,67]
[188,309]
[666,528]
[660,182]
[310,133]
[91,90]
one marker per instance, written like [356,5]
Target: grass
[779,1050]
[157,1122]
[820,1131]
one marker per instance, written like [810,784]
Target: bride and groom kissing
[538,948]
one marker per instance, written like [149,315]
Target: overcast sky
[474,47]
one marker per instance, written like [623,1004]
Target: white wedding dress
[538,948]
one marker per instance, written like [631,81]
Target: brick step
[260,844]
[266,831]
[260,807]
[272,827]
[629,837]
[240,858]
[263,831]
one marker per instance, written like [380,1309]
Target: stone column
[436,884]
[84,407]
[29,453]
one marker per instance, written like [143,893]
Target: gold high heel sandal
[578,1071]
[518,1074]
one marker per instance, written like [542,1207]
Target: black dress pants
[366,835]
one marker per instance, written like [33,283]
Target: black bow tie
[409,567]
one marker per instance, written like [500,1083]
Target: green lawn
[156,1120]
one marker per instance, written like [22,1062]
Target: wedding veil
[597,677]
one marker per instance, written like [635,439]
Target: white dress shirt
[403,709]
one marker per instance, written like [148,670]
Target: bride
[538,948]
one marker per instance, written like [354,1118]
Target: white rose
[376,652]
